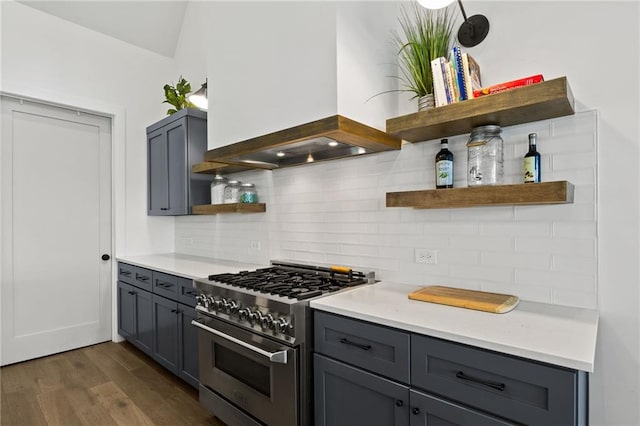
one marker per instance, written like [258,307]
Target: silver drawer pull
[280,357]
[492,385]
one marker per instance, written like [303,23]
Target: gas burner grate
[288,283]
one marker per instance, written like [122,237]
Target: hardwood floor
[105,384]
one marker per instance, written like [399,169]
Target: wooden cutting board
[470,299]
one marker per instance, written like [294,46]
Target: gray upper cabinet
[174,144]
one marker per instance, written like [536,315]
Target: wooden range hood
[326,139]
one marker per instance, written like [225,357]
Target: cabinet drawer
[369,346]
[521,390]
[135,275]
[186,292]
[165,285]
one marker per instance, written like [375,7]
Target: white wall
[51,59]
[333,212]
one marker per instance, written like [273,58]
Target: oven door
[258,375]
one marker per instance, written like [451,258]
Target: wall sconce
[199,97]
[472,31]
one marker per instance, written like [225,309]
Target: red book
[497,88]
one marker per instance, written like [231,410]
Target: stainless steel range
[255,340]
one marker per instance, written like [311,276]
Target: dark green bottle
[532,161]
[444,166]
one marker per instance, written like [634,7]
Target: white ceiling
[152,25]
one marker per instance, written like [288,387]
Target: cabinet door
[348,396]
[157,173]
[188,345]
[428,410]
[144,321]
[126,311]
[177,167]
[165,333]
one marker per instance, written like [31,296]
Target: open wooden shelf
[214,168]
[549,99]
[560,192]
[229,208]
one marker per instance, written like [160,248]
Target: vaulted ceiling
[152,25]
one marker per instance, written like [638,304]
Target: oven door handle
[279,357]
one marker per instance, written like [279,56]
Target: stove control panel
[253,316]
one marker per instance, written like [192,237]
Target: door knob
[106,257]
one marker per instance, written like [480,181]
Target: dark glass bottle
[532,161]
[444,166]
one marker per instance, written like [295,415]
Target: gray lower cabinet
[368,374]
[159,326]
[175,339]
[429,410]
[348,396]
[135,322]
[174,144]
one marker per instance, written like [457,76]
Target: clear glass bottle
[485,158]
[532,161]
[232,192]
[444,166]
[217,189]
[248,193]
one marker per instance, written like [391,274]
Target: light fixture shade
[435,4]
[199,97]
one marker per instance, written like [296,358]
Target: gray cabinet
[514,388]
[187,345]
[348,396]
[165,332]
[429,410]
[175,338]
[159,326]
[174,144]
[368,374]
[135,321]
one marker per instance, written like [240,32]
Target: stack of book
[455,79]
[458,78]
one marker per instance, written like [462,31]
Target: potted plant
[177,96]
[425,35]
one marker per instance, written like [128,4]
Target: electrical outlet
[254,245]
[430,257]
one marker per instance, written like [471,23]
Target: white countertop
[187,266]
[554,334]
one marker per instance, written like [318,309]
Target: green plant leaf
[424,35]
[177,95]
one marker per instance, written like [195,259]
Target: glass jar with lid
[217,189]
[485,158]
[248,193]
[232,192]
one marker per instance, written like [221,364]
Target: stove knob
[231,307]
[282,325]
[267,321]
[255,317]
[244,314]
[206,301]
[219,304]
[199,300]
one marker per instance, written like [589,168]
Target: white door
[55,165]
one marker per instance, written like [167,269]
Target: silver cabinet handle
[280,357]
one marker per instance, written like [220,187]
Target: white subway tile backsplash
[567,246]
[516,229]
[482,243]
[584,230]
[517,260]
[577,264]
[335,213]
